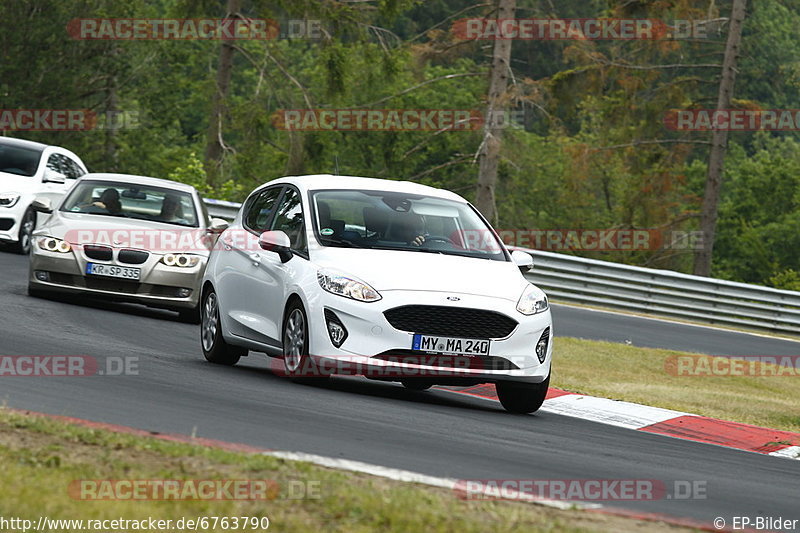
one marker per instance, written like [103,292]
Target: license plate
[450,345]
[112,271]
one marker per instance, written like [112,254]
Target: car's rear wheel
[416,384]
[215,349]
[25,235]
[297,364]
[522,397]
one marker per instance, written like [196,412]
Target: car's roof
[328,181]
[137,180]
[22,143]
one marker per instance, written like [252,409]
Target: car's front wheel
[215,349]
[297,364]
[519,397]
[25,235]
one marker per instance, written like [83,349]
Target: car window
[289,219]
[54,163]
[73,169]
[258,213]
[130,200]
[19,160]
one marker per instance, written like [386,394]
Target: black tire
[297,364]
[416,384]
[215,349]
[522,397]
[190,316]
[25,236]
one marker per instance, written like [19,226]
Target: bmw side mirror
[523,260]
[42,205]
[217,225]
[51,176]
[278,242]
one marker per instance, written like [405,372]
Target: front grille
[113,285]
[132,257]
[451,321]
[6,224]
[483,362]
[101,253]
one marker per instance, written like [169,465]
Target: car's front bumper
[159,285]
[10,220]
[381,351]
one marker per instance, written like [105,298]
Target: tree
[719,143]
[489,151]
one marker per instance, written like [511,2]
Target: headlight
[9,199]
[532,302]
[336,283]
[51,244]
[180,260]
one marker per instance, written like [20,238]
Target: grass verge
[640,375]
[40,457]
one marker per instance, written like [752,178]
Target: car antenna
[336,164]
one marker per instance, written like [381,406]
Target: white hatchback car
[28,170]
[392,280]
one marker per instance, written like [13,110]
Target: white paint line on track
[613,412]
[423,479]
[792,452]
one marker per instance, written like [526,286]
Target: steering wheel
[439,239]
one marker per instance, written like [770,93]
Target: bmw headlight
[532,301]
[9,199]
[51,244]
[180,260]
[342,285]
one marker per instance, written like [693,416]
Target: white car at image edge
[29,170]
[399,281]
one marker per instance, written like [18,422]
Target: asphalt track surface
[435,432]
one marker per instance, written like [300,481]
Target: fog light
[336,330]
[41,275]
[541,346]
[184,293]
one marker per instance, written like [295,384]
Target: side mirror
[217,225]
[278,242]
[51,176]
[523,260]
[42,205]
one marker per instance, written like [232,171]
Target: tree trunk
[719,144]
[214,144]
[489,152]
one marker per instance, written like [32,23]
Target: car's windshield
[19,160]
[398,221]
[132,201]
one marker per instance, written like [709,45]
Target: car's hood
[77,228]
[387,270]
[15,183]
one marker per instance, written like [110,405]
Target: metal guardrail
[656,292]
